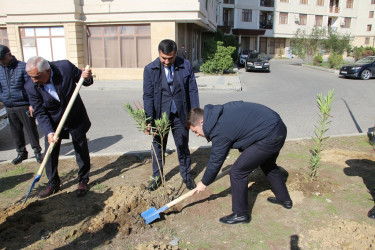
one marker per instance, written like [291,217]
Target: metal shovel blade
[36,179]
[152,214]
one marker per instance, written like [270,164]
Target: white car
[3,116]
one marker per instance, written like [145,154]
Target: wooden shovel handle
[182,197]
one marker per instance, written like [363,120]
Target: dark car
[242,57]
[255,63]
[363,68]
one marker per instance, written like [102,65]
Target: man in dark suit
[169,86]
[256,131]
[50,88]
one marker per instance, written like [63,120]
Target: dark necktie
[170,83]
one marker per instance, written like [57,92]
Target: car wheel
[366,74]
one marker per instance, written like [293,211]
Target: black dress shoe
[190,183]
[39,157]
[154,184]
[371,213]
[20,157]
[286,204]
[82,189]
[48,191]
[234,219]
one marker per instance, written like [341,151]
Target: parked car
[3,116]
[242,57]
[254,62]
[363,68]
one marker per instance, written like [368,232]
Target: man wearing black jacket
[256,131]
[20,113]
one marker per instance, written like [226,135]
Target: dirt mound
[113,213]
[352,235]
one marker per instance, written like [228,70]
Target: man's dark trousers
[82,158]
[18,121]
[264,154]
[181,139]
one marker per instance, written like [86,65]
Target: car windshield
[365,60]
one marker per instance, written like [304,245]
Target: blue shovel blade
[37,178]
[152,214]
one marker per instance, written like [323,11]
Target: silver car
[3,117]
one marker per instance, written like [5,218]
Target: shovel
[57,133]
[152,214]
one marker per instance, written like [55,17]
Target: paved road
[289,89]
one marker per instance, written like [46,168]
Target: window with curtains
[126,46]
[302,19]
[369,27]
[367,40]
[283,18]
[319,20]
[349,4]
[304,2]
[246,15]
[320,2]
[47,42]
[4,37]
[284,1]
[348,21]
[371,14]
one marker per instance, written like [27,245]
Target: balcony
[267,3]
[266,25]
[228,2]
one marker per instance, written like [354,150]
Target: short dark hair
[194,117]
[167,46]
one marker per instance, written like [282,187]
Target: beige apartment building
[116,37]
[268,25]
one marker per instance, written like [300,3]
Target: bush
[335,60]
[368,52]
[318,59]
[220,61]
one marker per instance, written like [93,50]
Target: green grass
[99,187]
[16,171]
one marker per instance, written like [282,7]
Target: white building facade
[268,25]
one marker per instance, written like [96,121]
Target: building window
[367,40]
[371,14]
[372,1]
[318,20]
[246,15]
[320,2]
[127,46]
[283,18]
[347,22]
[4,37]
[302,19]
[284,1]
[47,42]
[304,1]
[369,27]
[349,4]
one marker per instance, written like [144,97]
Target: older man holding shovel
[259,133]
[50,88]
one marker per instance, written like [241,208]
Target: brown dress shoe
[82,189]
[48,191]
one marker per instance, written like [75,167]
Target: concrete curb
[204,82]
[335,71]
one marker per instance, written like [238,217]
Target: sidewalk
[204,82]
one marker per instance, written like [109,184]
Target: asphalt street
[290,89]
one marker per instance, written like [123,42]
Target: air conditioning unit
[296,20]
[342,24]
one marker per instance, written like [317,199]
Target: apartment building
[268,25]
[116,37]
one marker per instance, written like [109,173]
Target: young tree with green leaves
[307,46]
[220,61]
[324,106]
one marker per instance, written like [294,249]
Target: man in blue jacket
[169,86]
[50,88]
[20,114]
[259,133]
